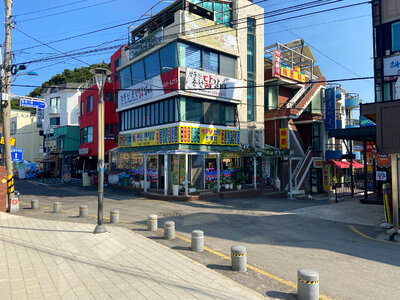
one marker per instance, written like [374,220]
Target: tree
[78,75]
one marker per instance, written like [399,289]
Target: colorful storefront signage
[391,67]
[206,31]
[318,163]
[151,40]
[276,70]
[382,160]
[211,84]
[284,138]
[157,86]
[381,176]
[180,135]
[330,109]
[326,178]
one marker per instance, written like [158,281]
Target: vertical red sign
[276,70]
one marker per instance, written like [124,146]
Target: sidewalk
[42,259]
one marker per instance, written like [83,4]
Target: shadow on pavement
[280,295]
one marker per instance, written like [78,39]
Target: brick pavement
[43,259]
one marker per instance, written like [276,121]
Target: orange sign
[283,138]
[293,74]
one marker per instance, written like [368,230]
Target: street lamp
[100,76]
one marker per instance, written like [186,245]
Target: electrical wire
[48,8]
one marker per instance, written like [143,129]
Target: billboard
[391,67]
[211,84]
[330,108]
[151,40]
[148,89]
[180,135]
[206,31]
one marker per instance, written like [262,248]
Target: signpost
[16,154]
[32,103]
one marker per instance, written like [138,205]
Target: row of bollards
[307,280]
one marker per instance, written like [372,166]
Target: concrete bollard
[152,223]
[83,211]
[307,285]
[57,207]
[197,242]
[114,216]
[239,258]
[34,204]
[169,230]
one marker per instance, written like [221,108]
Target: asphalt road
[278,241]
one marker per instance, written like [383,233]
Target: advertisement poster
[283,138]
[330,108]
[391,67]
[211,84]
[381,176]
[276,71]
[150,88]
[326,178]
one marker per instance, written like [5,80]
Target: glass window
[211,61]
[227,65]
[396,37]
[386,91]
[189,56]
[117,64]
[161,112]
[171,111]
[109,97]
[168,58]
[55,121]
[136,117]
[218,6]
[378,93]
[138,72]
[250,101]
[90,134]
[271,96]
[156,113]
[152,65]
[126,120]
[219,18]
[227,114]
[81,108]
[208,5]
[316,136]
[122,123]
[316,103]
[140,117]
[250,53]
[126,80]
[89,104]
[55,103]
[191,109]
[396,90]
[152,114]
[212,112]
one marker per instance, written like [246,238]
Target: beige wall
[27,135]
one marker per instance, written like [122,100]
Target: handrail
[300,164]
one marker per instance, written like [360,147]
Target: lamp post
[100,76]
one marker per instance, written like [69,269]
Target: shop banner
[391,67]
[216,36]
[330,109]
[276,70]
[283,138]
[326,178]
[180,135]
[211,84]
[293,74]
[150,88]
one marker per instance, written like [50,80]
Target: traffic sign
[32,103]
[16,154]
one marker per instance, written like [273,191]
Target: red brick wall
[3,189]
[269,136]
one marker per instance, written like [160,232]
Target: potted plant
[230,183]
[136,180]
[141,181]
[192,188]
[240,180]
[225,182]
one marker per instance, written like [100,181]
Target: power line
[49,8]
[67,11]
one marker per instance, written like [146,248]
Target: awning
[356,165]
[339,164]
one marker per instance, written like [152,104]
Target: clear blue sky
[345,36]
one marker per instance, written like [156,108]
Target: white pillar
[395,192]
[204,171]
[255,172]
[218,174]
[290,177]
[145,172]
[165,174]
[186,174]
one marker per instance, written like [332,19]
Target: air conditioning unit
[258,138]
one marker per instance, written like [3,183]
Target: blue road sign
[16,154]
[32,103]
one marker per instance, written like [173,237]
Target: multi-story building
[88,148]
[24,130]
[60,128]
[191,92]
[386,109]
[294,90]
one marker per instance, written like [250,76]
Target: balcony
[352,100]
[351,123]
[333,151]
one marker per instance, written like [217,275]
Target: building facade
[191,95]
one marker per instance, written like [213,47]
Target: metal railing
[334,147]
[353,122]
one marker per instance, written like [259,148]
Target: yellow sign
[180,135]
[318,163]
[284,138]
[326,174]
[12,141]
[214,35]
[293,74]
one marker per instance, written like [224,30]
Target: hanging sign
[283,138]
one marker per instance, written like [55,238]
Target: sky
[341,40]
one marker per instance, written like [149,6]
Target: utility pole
[6,89]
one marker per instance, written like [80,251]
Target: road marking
[356,231]
[281,280]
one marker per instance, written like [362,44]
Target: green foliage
[78,75]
